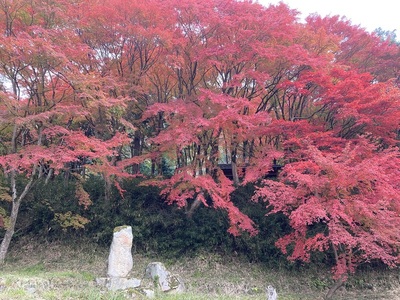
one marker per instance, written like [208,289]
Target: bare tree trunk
[196,203]
[338,282]
[16,202]
[334,288]
[234,167]
[49,175]
[235,173]
[136,150]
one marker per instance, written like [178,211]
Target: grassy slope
[60,271]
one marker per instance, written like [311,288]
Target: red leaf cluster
[112,85]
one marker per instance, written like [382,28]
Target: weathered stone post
[120,261]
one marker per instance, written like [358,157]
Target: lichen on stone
[119,228]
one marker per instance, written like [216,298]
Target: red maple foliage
[48,93]
[112,84]
[344,201]
[309,97]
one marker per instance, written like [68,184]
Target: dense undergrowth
[51,211]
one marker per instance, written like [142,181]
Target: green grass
[88,294]
[33,270]
[205,297]
[189,296]
[58,271]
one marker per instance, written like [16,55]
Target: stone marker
[120,261]
[165,281]
[271,293]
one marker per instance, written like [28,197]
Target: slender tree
[46,95]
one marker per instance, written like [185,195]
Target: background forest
[135,112]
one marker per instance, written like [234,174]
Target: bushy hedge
[157,227]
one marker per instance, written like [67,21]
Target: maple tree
[359,49]
[265,97]
[332,203]
[219,85]
[110,85]
[47,93]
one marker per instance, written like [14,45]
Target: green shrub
[38,211]
[156,227]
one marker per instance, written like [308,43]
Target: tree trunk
[5,243]
[334,288]
[234,167]
[16,202]
[338,282]
[136,150]
[196,203]
[235,175]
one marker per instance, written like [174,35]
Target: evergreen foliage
[157,227]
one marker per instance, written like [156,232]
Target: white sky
[370,14]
